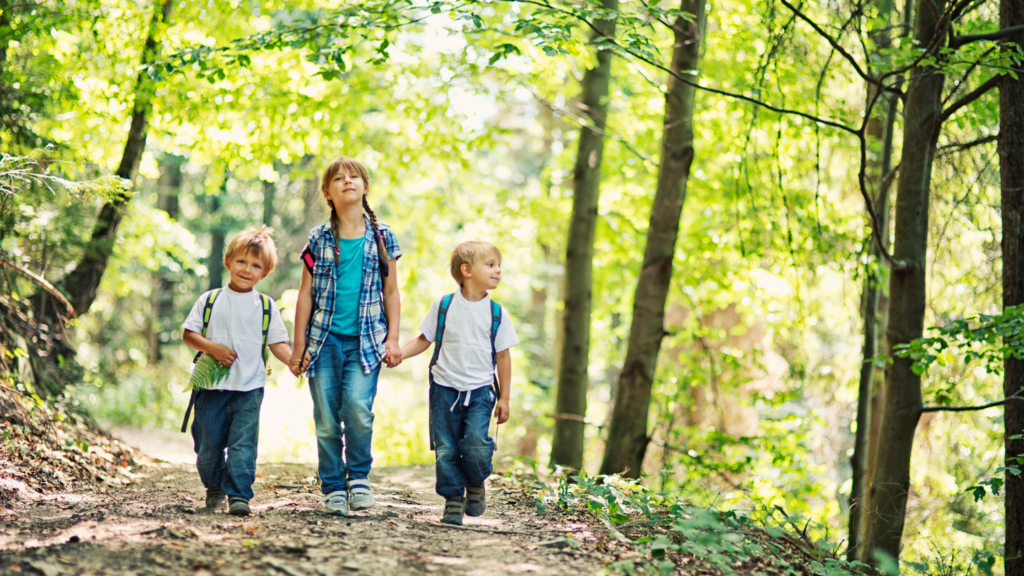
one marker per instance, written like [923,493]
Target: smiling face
[246,269]
[484,274]
[346,187]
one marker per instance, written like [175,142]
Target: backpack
[211,297]
[442,317]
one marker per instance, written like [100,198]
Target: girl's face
[346,188]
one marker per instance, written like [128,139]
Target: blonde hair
[469,253]
[351,165]
[256,241]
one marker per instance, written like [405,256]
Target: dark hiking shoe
[214,500]
[454,508]
[476,499]
[239,507]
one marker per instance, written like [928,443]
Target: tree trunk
[886,502]
[873,321]
[168,190]
[268,202]
[567,443]
[1011,171]
[215,263]
[627,434]
[81,284]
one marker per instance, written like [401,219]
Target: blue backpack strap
[495,323]
[442,317]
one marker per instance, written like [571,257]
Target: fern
[207,373]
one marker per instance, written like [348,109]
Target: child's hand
[392,353]
[299,361]
[223,354]
[501,410]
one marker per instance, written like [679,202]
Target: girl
[344,328]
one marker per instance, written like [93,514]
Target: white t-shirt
[465,360]
[236,321]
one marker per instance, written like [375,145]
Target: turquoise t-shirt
[349,275]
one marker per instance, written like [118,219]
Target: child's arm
[393,313]
[221,353]
[303,310]
[282,351]
[501,408]
[416,347]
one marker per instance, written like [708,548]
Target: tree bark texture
[571,397]
[81,284]
[886,502]
[215,263]
[1011,171]
[874,322]
[627,435]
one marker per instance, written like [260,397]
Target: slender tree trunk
[886,502]
[571,398]
[873,320]
[169,189]
[1011,171]
[627,434]
[268,202]
[81,284]
[215,264]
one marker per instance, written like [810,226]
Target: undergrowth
[671,536]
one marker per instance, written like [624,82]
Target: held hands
[501,410]
[299,361]
[223,354]
[392,353]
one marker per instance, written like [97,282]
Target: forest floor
[156,525]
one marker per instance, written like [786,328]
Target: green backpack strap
[211,297]
[266,328]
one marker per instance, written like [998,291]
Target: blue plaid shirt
[318,257]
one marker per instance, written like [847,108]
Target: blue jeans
[462,447]
[225,431]
[343,413]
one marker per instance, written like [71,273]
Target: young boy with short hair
[473,335]
[234,325]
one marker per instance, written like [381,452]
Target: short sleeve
[277,332]
[429,325]
[506,336]
[391,243]
[194,321]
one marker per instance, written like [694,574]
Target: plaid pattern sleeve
[373,326]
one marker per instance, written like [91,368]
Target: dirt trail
[156,526]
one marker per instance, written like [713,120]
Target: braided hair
[353,165]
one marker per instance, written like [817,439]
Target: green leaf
[207,373]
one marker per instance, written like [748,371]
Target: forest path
[156,526]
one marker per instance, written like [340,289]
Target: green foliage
[207,373]
[666,530]
[988,339]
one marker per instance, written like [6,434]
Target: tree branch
[832,41]
[970,408]
[959,41]
[970,97]
[42,283]
[961,146]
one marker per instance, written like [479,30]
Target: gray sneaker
[214,500]
[239,507]
[476,499]
[454,508]
[337,503]
[360,497]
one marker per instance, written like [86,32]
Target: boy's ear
[466,270]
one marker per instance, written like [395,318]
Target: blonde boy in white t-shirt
[227,420]
[474,338]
